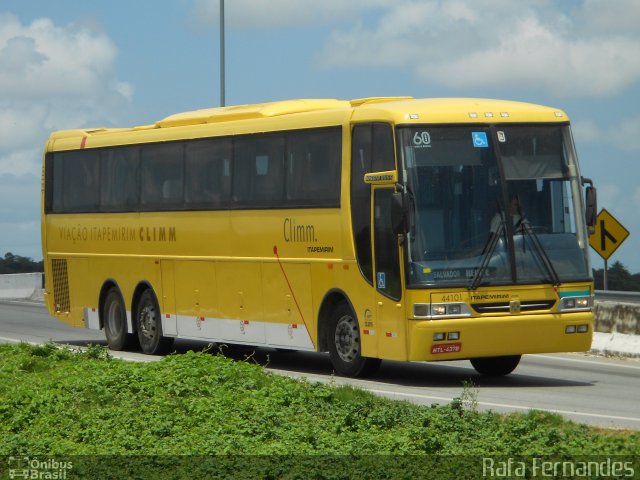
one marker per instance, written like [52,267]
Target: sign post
[222,75]
[607,237]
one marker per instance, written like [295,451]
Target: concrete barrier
[21,286]
[617,317]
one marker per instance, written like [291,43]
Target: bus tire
[344,341]
[149,326]
[114,317]
[496,366]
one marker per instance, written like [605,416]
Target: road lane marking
[506,405]
[401,394]
[590,362]
[127,356]
[18,340]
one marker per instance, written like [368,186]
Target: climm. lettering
[157,234]
[294,232]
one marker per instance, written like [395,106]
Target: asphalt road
[588,389]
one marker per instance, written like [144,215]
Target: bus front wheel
[114,317]
[149,326]
[345,345]
[496,366]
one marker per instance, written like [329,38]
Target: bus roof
[399,110]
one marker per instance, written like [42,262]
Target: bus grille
[504,307]
[60,285]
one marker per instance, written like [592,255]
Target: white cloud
[535,56]
[41,59]
[609,194]
[52,77]
[586,131]
[623,136]
[19,124]
[589,48]
[22,162]
[607,16]
[528,43]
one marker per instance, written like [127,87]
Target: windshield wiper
[525,226]
[487,255]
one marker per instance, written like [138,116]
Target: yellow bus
[378,228]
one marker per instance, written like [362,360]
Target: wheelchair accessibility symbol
[480,139]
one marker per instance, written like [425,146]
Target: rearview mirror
[590,205]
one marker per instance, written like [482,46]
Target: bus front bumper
[451,339]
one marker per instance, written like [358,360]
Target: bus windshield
[492,205]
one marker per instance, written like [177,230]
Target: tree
[618,278]
[16,264]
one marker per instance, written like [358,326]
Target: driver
[515,210]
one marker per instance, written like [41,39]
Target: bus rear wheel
[496,366]
[114,317]
[345,345]
[149,326]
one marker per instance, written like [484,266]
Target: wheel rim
[347,339]
[147,321]
[114,318]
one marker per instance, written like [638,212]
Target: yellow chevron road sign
[608,235]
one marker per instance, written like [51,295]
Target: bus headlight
[440,310]
[582,302]
[575,303]
[421,310]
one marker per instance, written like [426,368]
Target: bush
[55,401]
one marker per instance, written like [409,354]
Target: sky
[67,64]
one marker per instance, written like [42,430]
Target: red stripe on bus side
[275,252]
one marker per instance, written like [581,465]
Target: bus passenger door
[391,325]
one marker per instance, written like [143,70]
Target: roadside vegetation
[11,263]
[56,401]
[618,278]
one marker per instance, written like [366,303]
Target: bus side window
[208,173]
[383,151]
[76,181]
[119,170]
[386,246]
[361,144]
[258,179]
[161,171]
[313,168]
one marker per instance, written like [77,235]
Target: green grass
[54,401]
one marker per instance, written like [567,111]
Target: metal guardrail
[620,297]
